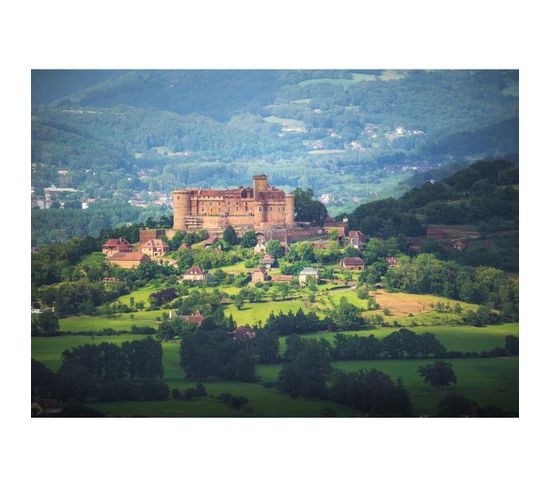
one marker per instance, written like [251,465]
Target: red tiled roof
[210,240]
[267,259]
[156,244]
[261,270]
[117,243]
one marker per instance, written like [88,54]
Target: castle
[259,208]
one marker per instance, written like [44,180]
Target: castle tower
[260,185]
[182,208]
[289,209]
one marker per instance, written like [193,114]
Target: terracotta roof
[357,234]
[267,259]
[210,240]
[194,317]
[129,256]
[353,261]
[116,243]
[156,244]
[194,270]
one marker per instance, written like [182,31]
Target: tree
[372,392]
[230,236]
[454,405]
[45,324]
[43,380]
[249,239]
[266,345]
[438,374]
[307,209]
[333,234]
[511,345]
[275,248]
[239,301]
[307,372]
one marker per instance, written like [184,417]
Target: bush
[232,400]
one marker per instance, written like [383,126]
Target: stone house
[353,263]
[112,246]
[194,273]
[155,248]
[259,274]
[306,274]
[268,261]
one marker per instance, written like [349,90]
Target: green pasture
[356,77]
[140,295]
[293,123]
[93,259]
[491,381]
[121,321]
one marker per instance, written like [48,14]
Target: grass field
[488,381]
[122,321]
[139,295]
[491,381]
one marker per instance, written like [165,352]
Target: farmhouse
[259,274]
[155,248]
[353,263]
[244,208]
[306,274]
[129,260]
[268,261]
[194,273]
[112,246]
[243,332]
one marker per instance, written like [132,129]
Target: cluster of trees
[104,371]
[397,345]
[307,208]
[307,372]
[211,351]
[80,297]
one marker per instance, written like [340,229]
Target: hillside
[363,131]
[478,205]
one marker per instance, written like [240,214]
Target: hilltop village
[263,295]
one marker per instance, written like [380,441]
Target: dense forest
[365,131]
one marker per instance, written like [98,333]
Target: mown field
[487,381]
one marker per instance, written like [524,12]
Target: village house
[259,274]
[129,260]
[268,261]
[196,317]
[308,273]
[194,273]
[155,248]
[356,238]
[353,263]
[112,246]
